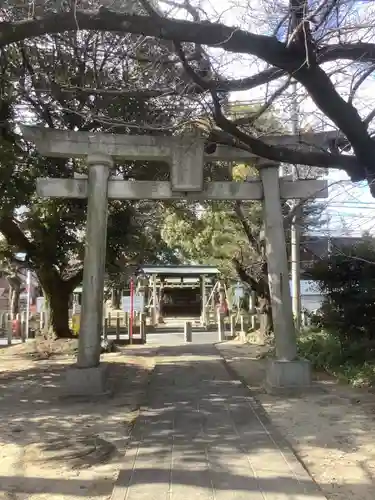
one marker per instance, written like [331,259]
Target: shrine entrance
[178,291]
[186,155]
[181,301]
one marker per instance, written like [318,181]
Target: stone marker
[188,331]
[142,327]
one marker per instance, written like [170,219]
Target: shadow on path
[202,436]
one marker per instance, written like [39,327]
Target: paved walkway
[203,437]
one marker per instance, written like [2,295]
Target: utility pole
[295,227]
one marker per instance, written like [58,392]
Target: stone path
[204,437]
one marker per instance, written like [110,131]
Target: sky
[351,207]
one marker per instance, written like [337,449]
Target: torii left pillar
[99,166]
[89,376]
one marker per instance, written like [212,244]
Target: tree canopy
[50,232]
[316,42]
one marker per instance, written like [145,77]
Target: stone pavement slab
[203,436]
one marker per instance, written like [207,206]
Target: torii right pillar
[286,371]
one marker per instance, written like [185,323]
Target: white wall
[311,298]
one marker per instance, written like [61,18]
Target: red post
[131,310]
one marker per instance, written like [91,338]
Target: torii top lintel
[185,153]
[68,144]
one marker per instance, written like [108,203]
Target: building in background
[5,289]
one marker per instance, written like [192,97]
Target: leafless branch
[254,116]
[302,58]
[253,240]
[365,74]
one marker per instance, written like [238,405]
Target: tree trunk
[15,300]
[58,317]
[260,285]
[116,298]
[14,294]
[57,294]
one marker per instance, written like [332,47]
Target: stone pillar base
[288,376]
[86,381]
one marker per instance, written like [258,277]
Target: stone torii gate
[186,156]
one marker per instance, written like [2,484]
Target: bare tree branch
[254,116]
[365,74]
[211,34]
[258,147]
[301,59]
[369,117]
[11,231]
[253,240]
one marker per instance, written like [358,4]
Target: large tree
[51,232]
[315,42]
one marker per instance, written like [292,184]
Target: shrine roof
[185,270]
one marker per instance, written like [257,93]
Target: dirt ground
[58,447]
[331,428]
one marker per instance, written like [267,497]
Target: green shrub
[347,280]
[321,349]
[354,363]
